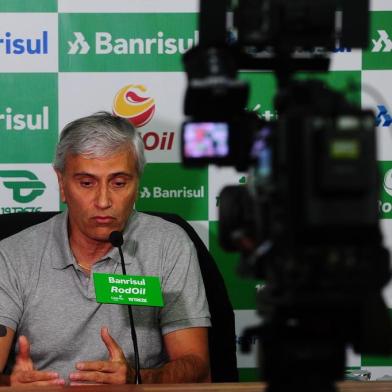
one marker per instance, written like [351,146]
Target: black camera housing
[306,222]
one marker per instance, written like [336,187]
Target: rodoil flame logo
[131,103]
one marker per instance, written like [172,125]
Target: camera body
[313,175]
[307,221]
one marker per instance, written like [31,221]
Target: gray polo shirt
[45,296]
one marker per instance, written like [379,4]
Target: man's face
[100,193]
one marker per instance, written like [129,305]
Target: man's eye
[118,184]
[86,183]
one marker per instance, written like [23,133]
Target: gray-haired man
[47,299]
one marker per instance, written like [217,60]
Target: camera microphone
[116,239]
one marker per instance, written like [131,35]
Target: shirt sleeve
[11,302]
[185,303]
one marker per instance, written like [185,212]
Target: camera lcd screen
[262,152]
[206,140]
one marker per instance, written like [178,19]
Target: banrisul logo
[383,43]
[105,43]
[145,193]
[28,119]
[385,202]
[11,44]
[14,121]
[158,192]
[170,187]
[383,118]
[132,42]
[379,54]
[79,45]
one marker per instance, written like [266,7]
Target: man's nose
[103,199]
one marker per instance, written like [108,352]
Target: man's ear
[60,179]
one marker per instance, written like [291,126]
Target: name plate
[128,290]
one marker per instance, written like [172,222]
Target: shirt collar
[62,256]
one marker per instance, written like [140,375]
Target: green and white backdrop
[62,59]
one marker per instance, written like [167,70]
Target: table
[347,386]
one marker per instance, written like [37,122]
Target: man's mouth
[102,220]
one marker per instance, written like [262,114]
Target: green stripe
[133,41]
[34,96]
[168,187]
[249,374]
[28,6]
[341,81]
[378,60]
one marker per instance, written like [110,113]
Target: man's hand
[23,373]
[115,370]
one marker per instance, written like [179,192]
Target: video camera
[307,220]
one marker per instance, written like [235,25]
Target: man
[47,298]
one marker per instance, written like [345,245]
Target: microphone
[116,239]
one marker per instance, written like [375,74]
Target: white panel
[346,61]
[128,5]
[81,94]
[352,359]
[243,320]
[201,228]
[379,372]
[380,5]
[18,31]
